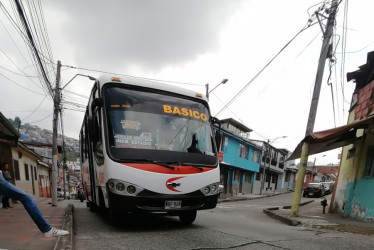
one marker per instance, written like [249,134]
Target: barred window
[369,164]
[243,151]
[256,156]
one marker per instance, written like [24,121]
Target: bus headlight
[120,186]
[123,188]
[211,189]
[131,189]
[214,188]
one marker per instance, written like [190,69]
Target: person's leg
[7,202]
[28,202]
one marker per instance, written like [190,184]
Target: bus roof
[153,84]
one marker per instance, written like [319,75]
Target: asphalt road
[232,225]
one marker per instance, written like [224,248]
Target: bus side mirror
[97,102]
[93,132]
[217,123]
[218,140]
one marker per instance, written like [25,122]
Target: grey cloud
[148,34]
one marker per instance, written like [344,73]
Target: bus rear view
[148,147]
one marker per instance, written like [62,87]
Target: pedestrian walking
[9,190]
[8,178]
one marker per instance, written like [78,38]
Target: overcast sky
[195,43]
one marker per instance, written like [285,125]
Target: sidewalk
[18,231]
[310,215]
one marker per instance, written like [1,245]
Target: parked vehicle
[314,190]
[329,186]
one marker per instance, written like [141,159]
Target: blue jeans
[11,191]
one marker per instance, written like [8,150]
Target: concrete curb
[67,242]
[289,221]
[248,198]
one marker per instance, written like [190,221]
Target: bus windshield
[157,126]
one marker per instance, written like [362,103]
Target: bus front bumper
[152,202]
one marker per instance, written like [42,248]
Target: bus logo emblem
[171,184]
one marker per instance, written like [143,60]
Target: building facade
[272,169]
[355,183]
[25,163]
[240,158]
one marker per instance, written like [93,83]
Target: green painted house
[354,196]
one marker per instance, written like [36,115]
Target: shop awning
[333,138]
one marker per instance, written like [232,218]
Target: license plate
[173,204]
[310,194]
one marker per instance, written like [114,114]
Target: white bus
[148,147]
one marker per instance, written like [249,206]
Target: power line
[344,46]
[21,85]
[33,46]
[41,119]
[35,109]
[138,77]
[259,73]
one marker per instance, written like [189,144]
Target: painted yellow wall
[30,160]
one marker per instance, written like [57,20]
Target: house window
[351,153]
[369,165]
[256,156]
[16,170]
[224,143]
[27,172]
[243,151]
[35,174]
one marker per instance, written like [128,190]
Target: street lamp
[267,152]
[56,111]
[314,165]
[315,158]
[207,87]
[90,77]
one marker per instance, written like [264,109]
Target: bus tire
[187,217]
[101,201]
[114,217]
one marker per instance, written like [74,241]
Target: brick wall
[365,102]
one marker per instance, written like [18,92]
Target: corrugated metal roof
[332,138]
[237,124]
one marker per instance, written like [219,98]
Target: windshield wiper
[183,164]
[158,163]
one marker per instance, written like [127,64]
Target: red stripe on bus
[164,170]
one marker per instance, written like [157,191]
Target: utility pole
[313,107]
[267,151]
[56,111]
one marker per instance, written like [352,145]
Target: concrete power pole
[56,111]
[313,107]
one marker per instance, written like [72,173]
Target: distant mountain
[34,134]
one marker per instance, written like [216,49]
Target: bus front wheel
[114,217]
[187,217]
